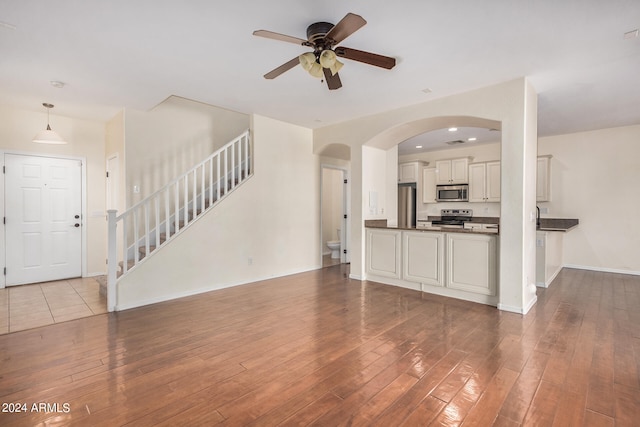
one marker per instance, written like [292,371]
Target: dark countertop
[557,224]
[546,224]
[382,223]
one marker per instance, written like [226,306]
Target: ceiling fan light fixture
[48,136]
[328,58]
[336,67]
[307,60]
[316,70]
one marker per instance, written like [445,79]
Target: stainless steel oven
[452,193]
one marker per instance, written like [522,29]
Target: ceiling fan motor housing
[316,33]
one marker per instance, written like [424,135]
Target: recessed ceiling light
[453,129]
[472,139]
[427,90]
[57,84]
[418,146]
[631,34]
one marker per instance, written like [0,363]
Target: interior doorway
[113,181]
[334,229]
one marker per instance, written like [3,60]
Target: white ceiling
[443,139]
[133,54]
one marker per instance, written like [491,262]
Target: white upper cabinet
[543,179]
[453,171]
[484,182]
[429,185]
[409,172]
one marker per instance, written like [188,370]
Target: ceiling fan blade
[366,57]
[333,80]
[347,26]
[281,37]
[281,69]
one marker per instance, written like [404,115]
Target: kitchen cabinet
[383,252]
[452,171]
[452,264]
[429,185]
[543,179]
[548,257]
[471,263]
[484,182]
[423,257]
[409,172]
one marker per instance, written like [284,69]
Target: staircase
[152,223]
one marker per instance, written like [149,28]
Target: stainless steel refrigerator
[407,205]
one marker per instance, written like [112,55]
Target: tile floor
[29,306]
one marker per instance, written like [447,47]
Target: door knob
[77,216]
[76,225]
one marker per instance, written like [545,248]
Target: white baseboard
[95,274]
[199,290]
[602,269]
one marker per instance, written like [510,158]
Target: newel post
[112,260]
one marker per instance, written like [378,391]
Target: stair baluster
[175,207]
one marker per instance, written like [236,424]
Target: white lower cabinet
[471,263]
[443,263]
[423,257]
[383,252]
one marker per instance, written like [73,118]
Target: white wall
[167,141]
[114,146]
[267,227]
[379,180]
[595,177]
[86,139]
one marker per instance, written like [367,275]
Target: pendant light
[48,136]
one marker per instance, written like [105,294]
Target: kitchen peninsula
[549,247]
[454,262]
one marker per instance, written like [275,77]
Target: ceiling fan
[324,37]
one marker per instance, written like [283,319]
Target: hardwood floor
[319,349]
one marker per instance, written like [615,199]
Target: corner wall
[594,177]
[268,227]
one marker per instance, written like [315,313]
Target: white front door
[43,202]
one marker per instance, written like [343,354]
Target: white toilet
[334,245]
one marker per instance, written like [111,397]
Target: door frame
[83,206]
[346,209]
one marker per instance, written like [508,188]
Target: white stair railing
[153,222]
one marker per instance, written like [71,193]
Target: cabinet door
[477,182]
[429,185]
[408,172]
[493,182]
[383,252]
[543,187]
[423,257]
[459,170]
[443,171]
[471,263]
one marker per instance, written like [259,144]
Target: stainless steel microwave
[452,193]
